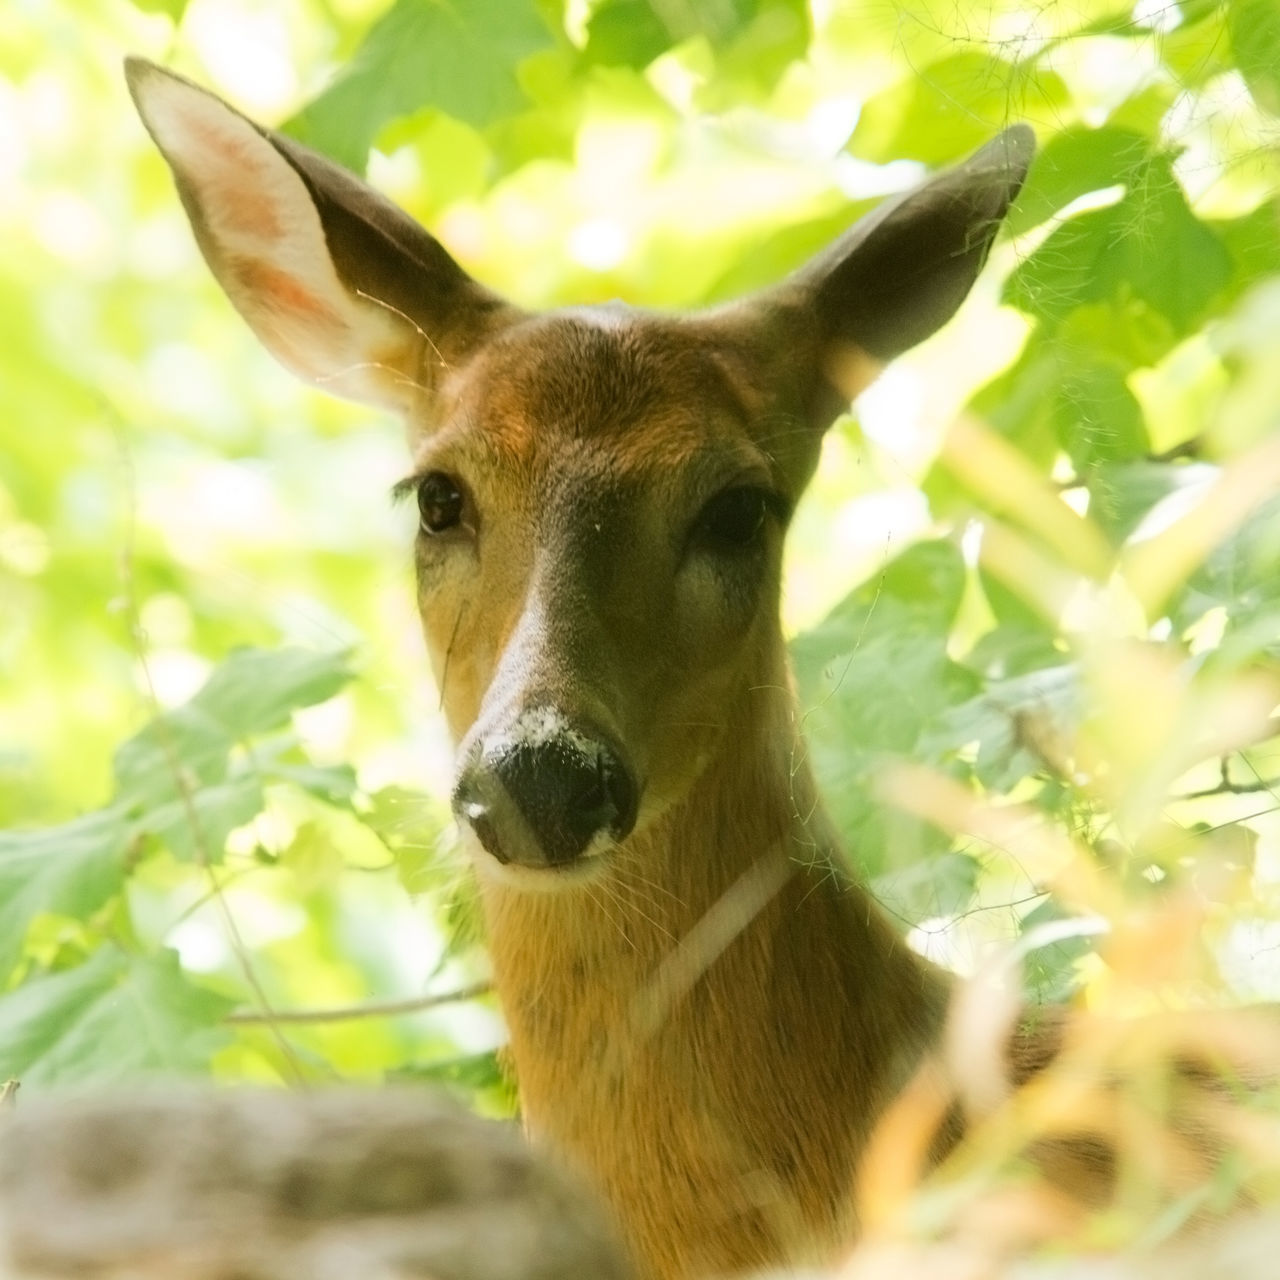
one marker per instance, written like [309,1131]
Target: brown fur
[722,1106]
[718,1089]
[713,1021]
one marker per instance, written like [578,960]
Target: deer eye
[439,502]
[733,520]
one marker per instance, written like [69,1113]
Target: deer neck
[712,1026]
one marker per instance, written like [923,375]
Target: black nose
[540,798]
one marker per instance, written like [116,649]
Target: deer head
[603,491]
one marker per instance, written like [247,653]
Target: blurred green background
[1049,536]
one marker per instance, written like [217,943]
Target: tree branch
[1225,787]
[347,1013]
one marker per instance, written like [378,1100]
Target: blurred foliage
[1035,588]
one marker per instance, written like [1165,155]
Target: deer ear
[341,286]
[894,277]
[903,271]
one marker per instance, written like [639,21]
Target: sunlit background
[167,493]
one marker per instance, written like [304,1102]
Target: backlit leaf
[952,107]
[460,56]
[69,870]
[172,8]
[184,749]
[195,827]
[1254,27]
[872,677]
[254,690]
[1073,164]
[115,1017]
[1148,247]
[626,33]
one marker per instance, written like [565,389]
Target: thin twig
[181,783]
[347,1013]
[1228,788]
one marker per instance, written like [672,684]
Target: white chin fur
[590,866]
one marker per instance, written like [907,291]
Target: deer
[707,1011]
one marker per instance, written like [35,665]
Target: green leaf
[333,838]
[1068,391]
[278,757]
[412,825]
[175,9]
[920,589]
[335,783]
[1073,164]
[1149,247]
[69,870]
[632,33]
[1008,607]
[313,857]
[1199,49]
[460,56]
[764,263]
[1242,577]
[1019,403]
[1096,417]
[195,828]
[1005,721]
[475,1077]
[1012,648]
[113,1018]
[951,107]
[1253,244]
[183,749]
[174,776]
[940,886]
[461,917]
[456,160]
[1121,495]
[1144,110]
[626,33]
[1254,28]
[1049,973]
[1076,265]
[476,1070]
[872,677]
[774,36]
[258,689]
[1172,260]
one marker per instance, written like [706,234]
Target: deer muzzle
[544,792]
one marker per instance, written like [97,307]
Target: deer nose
[538,795]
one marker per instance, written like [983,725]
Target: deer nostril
[591,806]
[487,833]
[605,801]
[470,807]
[618,791]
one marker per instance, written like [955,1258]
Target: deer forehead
[598,400]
